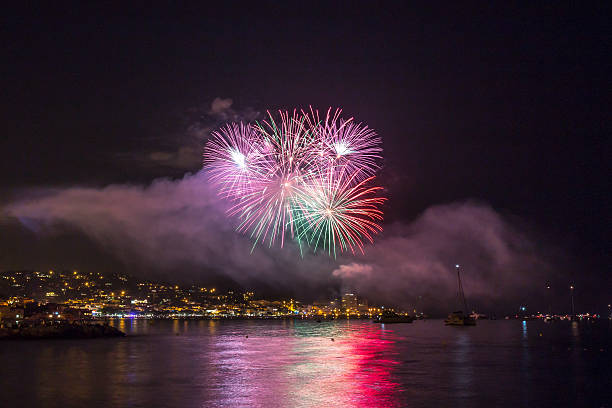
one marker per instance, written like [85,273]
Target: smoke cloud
[415,263]
[180,227]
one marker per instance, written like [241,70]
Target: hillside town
[38,297]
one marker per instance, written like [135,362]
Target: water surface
[296,364]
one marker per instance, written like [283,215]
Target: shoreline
[61,331]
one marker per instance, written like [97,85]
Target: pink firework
[346,145]
[283,173]
[234,157]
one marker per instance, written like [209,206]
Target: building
[350,303]
[10,316]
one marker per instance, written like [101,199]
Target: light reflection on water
[305,368]
[296,364]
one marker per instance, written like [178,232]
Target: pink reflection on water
[306,368]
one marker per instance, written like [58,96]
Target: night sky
[505,106]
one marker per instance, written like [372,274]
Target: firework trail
[334,212]
[301,176]
[346,145]
[236,160]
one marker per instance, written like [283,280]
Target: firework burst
[234,158]
[337,212]
[346,145]
[299,176]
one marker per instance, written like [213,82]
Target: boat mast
[461,293]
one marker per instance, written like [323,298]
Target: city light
[84,296]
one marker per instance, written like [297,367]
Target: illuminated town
[76,295]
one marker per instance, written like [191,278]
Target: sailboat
[459,318]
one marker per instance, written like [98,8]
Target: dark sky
[507,104]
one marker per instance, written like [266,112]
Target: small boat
[392,317]
[459,318]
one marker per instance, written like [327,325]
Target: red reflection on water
[352,371]
[308,369]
